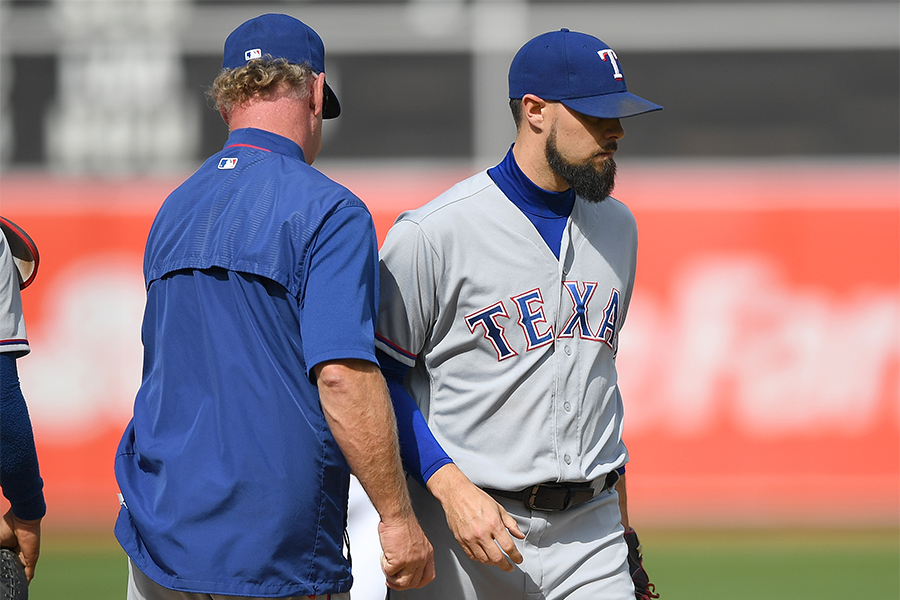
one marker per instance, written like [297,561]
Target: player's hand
[408,558]
[24,537]
[478,522]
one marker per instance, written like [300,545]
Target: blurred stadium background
[759,364]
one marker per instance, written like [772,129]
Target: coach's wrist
[399,510]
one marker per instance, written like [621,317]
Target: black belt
[556,496]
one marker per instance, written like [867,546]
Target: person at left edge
[260,390]
[20,477]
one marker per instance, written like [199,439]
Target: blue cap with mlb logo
[578,70]
[279,36]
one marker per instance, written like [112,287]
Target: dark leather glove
[643,589]
[13,583]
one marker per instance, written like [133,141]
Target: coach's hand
[408,558]
[480,525]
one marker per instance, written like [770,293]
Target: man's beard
[591,183]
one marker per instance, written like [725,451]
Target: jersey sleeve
[339,304]
[406,304]
[12,321]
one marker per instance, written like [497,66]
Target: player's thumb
[510,524]
[28,564]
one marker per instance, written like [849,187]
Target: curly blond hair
[260,78]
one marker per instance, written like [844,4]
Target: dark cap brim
[332,106]
[611,106]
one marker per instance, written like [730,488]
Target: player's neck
[531,158]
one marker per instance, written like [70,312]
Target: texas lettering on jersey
[493,321]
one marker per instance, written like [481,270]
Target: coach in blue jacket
[261,391]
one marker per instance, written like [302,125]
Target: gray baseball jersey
[513,350]
[12,320]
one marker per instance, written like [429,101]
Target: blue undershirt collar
[548,211]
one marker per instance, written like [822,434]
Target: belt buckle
[552,497]
[544,497]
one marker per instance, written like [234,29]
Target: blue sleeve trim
[395,347]
[421,453]
[426,475]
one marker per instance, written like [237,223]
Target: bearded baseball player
[500,310]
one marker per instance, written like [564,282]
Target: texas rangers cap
[578,70]
[279,36]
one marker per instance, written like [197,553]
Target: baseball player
[501,306]
[20,528]
[260,388]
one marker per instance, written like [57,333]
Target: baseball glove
[643,589]
[25,253]
[13,583]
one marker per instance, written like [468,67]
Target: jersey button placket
[569,425]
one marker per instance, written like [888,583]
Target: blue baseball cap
[279,36]
[577,70]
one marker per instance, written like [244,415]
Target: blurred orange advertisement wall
[759,361]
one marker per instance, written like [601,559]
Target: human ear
[317,97]
[533,111]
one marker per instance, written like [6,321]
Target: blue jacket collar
[264,140]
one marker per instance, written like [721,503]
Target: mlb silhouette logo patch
[251,54]
[227,163]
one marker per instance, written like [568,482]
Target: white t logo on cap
[606,55]
[257,53]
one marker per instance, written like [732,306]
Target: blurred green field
[774,565]
[685,565]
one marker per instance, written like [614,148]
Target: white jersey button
[568,351]
[568,459]
[568,407]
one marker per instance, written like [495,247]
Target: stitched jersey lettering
[531,314]
[532,319]
[493,332]
[608,333]
[579,319]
